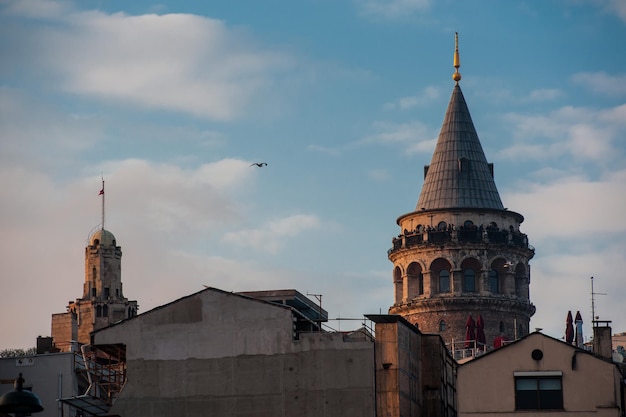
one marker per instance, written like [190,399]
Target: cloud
[571,207]
[582,133]
[543,95]
[272,236]
[601,82]
[391,9]
[429,95]
[379,175]
[180,62]
[324,149]
[415,137]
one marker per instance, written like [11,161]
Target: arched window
[468,224]
[469,280]
[94,273]
[444,281]
[442,326]
[492,226]
[421,284]
[442,226]
[494,282]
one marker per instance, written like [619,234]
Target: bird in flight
[259,164]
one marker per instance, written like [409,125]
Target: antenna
[593,304]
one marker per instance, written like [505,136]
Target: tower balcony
[410,239]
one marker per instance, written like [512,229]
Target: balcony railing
[437,237]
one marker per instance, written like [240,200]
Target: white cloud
[601,82]
[379,175]
[543,95]
[179,62]
[582,133]
[392,9]
[569,208]
[429,95]
[272,236]
[415,137]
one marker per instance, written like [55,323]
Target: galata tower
[461,252]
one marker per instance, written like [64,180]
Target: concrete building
[49,375]
[461,253]
[227,354]
[541,376]
[103,300]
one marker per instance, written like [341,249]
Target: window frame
[546,399]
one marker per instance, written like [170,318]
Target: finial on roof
[457,60]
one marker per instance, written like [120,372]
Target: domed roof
[104,237]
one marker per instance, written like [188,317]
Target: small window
[469,280]
[494,282]
[468,224]
[117,292]
[442,226]
[444,281]
[107,292]
[502,329]
[93,292]
[98,311]
[442,326]
[538,393]
[463,164]
[105,311]
[94,273]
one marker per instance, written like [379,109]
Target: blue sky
[172,101]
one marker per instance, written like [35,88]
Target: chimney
[602,343]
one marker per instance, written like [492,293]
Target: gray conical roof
[459,175]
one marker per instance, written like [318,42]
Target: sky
[170,103]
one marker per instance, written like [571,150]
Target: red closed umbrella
[480,332]
[470,332]
[569,328]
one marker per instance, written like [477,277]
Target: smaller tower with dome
[103,302]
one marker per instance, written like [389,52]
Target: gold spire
[457,60]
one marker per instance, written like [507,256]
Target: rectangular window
[106,293]
[538,393]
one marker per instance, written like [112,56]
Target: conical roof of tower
[459,175]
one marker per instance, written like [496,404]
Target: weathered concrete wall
[221,354]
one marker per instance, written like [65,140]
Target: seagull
[259,164]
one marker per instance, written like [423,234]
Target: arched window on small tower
[442,326]
[94,274]
[494,281]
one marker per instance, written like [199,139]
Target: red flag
[101,192]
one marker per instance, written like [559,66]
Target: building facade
[102,302]
[227,354]
[461,253]
[541,376]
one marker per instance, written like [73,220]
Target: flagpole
[102,192]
